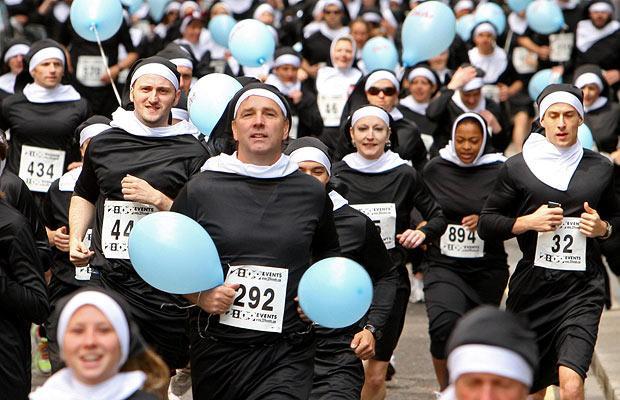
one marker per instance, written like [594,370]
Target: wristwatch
[608,232]
[372,329]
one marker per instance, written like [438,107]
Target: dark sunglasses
[335,12]
[388,91]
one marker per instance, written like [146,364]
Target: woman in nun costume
[386,188]
[463,271]
[12,65]
[558,200]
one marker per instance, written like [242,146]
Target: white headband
[190,4]
[601,7]
[155,69]
[261,93]
[262,9]
[287,59]
[370,111]
[423,72]
[187,20]
[479,358]
[378,76]
[560,97]
[588,78]
[331,3]
[474,84]
[485,27]
[110,309]
[174,6]
[311,154]
[91,131]
[45,54]
[16,50]
[463,5]
[182,62]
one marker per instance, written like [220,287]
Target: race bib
[88,238]
[563,249]
[89,70]
[491,92]
[330,107]
[560,47]
[524,61]
[259,303]
[460,242]
[219,66]
[384,217]
[119,218]
[84,273]
[39,167]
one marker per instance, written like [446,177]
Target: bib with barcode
[90,69]
[563,249]
[119,218]
[84,273]
[39,167]
[384,217]
[524,61]
[259,302]
[460,242]
[560,47]
[330,107]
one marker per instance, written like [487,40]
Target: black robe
[24,299]
[604,123]
[166,164]
[563,307]
[605,53]
[316,48]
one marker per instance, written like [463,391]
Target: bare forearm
[81,214]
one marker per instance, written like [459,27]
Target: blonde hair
[156,370]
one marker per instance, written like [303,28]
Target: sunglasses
[335,12]
[388,91]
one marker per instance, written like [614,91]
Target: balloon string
[105,62]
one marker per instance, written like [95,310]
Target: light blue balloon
[428,30]
[251,43]
[465,25]
[584,134]
[220,27]
[518,5]
[157,8]
[173,253]
[208,98]
[106,16]
[379,53]
[493,13]
[335,292]
[540,81]
[544,17]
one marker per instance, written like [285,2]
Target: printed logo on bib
[39,167]
[119,218]
[90,69]
[330,107]
[460,242]
[563,249]
[524,61]
[259,303]
[384,217]
[560,47]
[84,273]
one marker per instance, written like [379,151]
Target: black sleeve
[325,242]
[410,145]
[502,139]
[384,275]
[29,210]
[22,286]
[125,38]
[430,210]
[498,215]
[87,186]
[609,206]
[181,203]
[4,118]
[308,113]
[438,106]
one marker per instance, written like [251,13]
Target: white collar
[448,394]
[64,386]
[587,34]
[388,160]
[7,82]
[517,24]
[598,103]
[552,165]
[330,33]
[337,200]
[482,104]
[66,183]
[285,88]
[61,93]
[413,105]
[493,64]
[127,121]
[335,80]
[232,165]
[396,114]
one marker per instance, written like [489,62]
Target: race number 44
[119,218]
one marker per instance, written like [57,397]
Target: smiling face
[259,128]
[342,54]
[591,93]
[376,94]
[91,348]
[48,73]
[369,135]
[468,140]
[153,97]
[561,122]
[421,89]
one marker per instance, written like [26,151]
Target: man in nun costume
[558,200]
